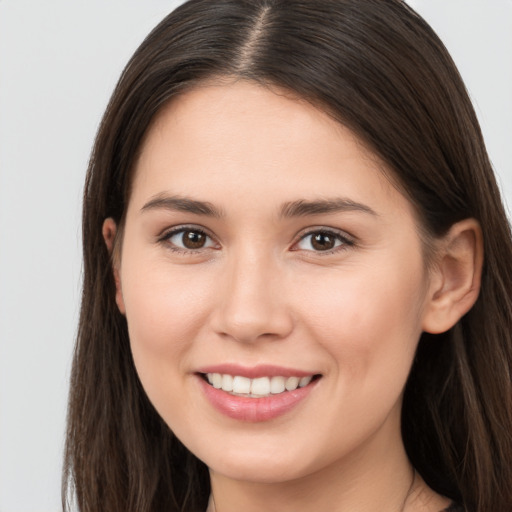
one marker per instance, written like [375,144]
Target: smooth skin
[220,263]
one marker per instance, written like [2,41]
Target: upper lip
[253,372]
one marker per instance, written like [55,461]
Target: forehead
[247,139]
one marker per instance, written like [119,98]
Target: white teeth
[277,385]
[217,380]
[305,381]
[227,382]
[292,383]
[241,385]
[259,387]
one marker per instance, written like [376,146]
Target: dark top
[454,508]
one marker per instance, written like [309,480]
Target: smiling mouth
[260,387]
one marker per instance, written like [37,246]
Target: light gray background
[59,61]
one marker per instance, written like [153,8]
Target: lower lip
[255,409]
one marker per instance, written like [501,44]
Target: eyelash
[165,239]
[344,239]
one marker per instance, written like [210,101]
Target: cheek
[163,299]
[369,320]
[165,310]
[368,323]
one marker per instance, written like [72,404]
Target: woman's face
[264,249]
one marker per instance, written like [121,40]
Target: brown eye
[188,239]
[323,241]
[193,239]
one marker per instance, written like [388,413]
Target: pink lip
[253,372]
[254,409]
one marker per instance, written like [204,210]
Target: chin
[266,461]
[262,471]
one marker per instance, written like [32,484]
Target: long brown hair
[379,69]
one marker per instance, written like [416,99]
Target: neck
[376,479]
[419,498]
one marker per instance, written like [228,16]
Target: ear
[109,232]
[455,280]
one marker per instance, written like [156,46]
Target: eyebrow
[302,208]
[299,208]
[182,204]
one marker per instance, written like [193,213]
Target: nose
[252,304]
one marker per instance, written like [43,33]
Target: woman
[286,302]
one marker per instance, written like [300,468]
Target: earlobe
[455,283]
[109,231]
